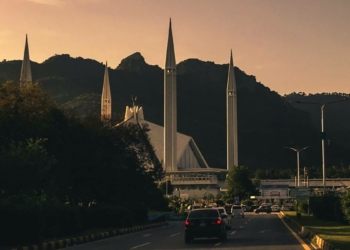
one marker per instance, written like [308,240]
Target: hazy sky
[289,45]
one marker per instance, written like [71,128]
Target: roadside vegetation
[338,234]
[61,175]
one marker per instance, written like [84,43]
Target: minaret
[106,98]
[170,107]
[26,72]
[231,118]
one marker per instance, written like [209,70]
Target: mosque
[183,163]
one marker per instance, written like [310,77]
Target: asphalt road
[254,232]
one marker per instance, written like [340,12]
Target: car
[205,222]
[227,219]
[266,209]
[287,208]
[237,211]
[275,208]
[228,208]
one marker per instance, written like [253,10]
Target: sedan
[266,209]
[206,222]
[275,208]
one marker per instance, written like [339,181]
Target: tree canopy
[51,154]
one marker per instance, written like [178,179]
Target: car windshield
[203,213]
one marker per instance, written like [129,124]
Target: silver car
[227,219]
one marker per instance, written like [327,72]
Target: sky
[288,45]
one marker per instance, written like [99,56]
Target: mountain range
[267,122]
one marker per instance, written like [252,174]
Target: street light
[323,135]
[298,168]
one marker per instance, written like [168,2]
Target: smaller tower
[231,118]
[106,98]
[26,72]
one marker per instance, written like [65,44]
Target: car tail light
[187,223]
[218,222]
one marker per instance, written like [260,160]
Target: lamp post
[298,167]
[323,135]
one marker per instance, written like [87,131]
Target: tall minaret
[231,118]
[170,107]
[26,72]
[106,98]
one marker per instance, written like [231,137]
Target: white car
[228,219]
[237,211]
[275,208]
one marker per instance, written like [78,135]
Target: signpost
[300,193]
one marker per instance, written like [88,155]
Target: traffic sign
[300,193]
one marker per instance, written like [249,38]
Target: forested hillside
[267,122]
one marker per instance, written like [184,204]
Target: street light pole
[323,151]
[298,166]
[323,137]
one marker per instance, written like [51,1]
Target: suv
[237,211]
[227,219]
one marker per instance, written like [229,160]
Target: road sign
[301,193]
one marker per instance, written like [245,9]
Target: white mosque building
[183,163]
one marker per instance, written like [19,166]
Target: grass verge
[335,233]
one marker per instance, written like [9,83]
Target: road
[254,232]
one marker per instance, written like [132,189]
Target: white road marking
[140,245]
[217,244]
[174,234]
[145,235]
[233,232]
[246,223]
[240,226]
[302,243]
[262,231]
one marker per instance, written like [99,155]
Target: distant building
[193,177]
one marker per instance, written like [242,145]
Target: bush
[32,223]
[327,207]
[345,205]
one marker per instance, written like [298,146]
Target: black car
[266,209]
[206,222]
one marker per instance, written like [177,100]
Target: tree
[239,183]
[25,169]
[345,205]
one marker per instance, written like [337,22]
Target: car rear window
[203,213]
[221,210]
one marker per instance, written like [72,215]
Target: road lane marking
[240,226]
[140,245]
[217,244]
[233,232]
[146,235]
[246,223]
[174,234]
[302,243]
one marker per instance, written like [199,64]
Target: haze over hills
[266,121]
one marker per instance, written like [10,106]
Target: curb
[305,232]
[89,238]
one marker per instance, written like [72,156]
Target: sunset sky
[290,46]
